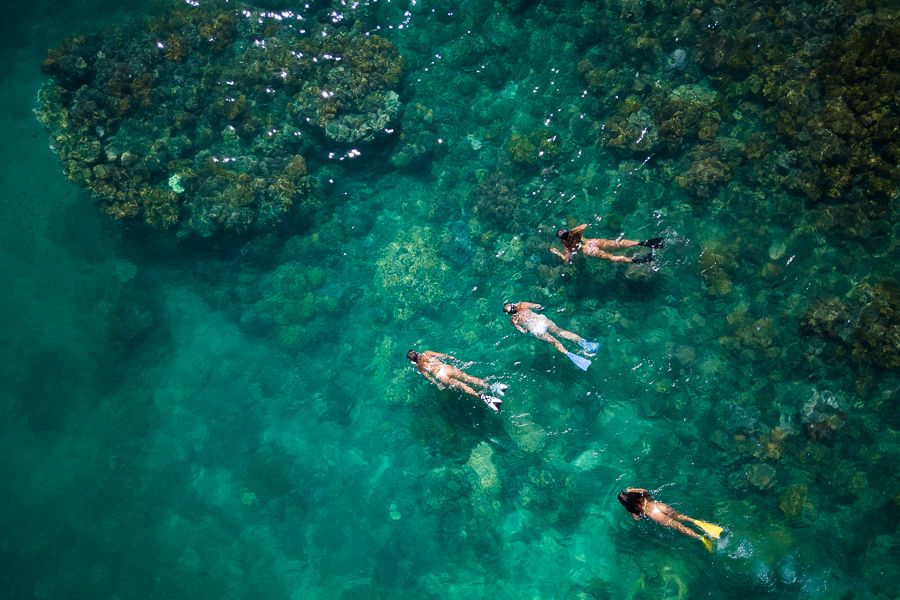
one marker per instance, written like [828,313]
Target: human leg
[603,244]
[573,337]
[556,343]
[598,253]
[459,385]
[462,375]
[492,401]
[590,348]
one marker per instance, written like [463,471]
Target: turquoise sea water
[235,417]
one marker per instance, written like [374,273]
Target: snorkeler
[640,503]
[573,242]
[440,373]
[526,320]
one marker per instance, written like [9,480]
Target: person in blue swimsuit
[524,319]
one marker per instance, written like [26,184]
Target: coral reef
[811,91]
[822,416]
[534,147]
[495,199]
[484,494]
[411,274]
[843,119]
[286,302]
[793,501]
[418,137]
[864,324]
[761,475]
[751,338]
[198,119]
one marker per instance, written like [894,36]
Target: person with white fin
[523,318]
[640,503]
[430,365]
[573,242]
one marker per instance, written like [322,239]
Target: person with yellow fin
[640,503]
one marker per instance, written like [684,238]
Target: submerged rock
[198,118]
[761,475]
[480,461]
[866,322]
[410,274]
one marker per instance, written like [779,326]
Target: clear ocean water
[234,416]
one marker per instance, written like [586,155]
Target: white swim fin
[492,402]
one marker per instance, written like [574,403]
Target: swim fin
[707,543]
[589,347]
[652,243]
[642,259]
[499,388]
[712,530]
[581,363]
[492,402]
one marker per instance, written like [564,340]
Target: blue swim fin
[589,347]
[581,363]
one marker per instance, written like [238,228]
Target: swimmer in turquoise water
[435,370]
[640,503]
[523,318]
[574,242]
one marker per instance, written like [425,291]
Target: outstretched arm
[578,230]
[563,255]
[531,305]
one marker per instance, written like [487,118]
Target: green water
[235,417]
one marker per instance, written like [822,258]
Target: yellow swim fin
[713,531]
[707,543]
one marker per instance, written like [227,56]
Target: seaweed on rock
[199,118]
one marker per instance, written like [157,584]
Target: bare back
[530,321]
[429,362]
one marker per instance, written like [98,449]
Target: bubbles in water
[743,550]
[814,587]
[763,574]
[787,572]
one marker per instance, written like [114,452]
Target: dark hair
[512,308]
[412,355]
[562,233]
[631,500]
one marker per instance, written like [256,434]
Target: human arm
[530,305]
[578,230]
[517,326]
[563,255]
